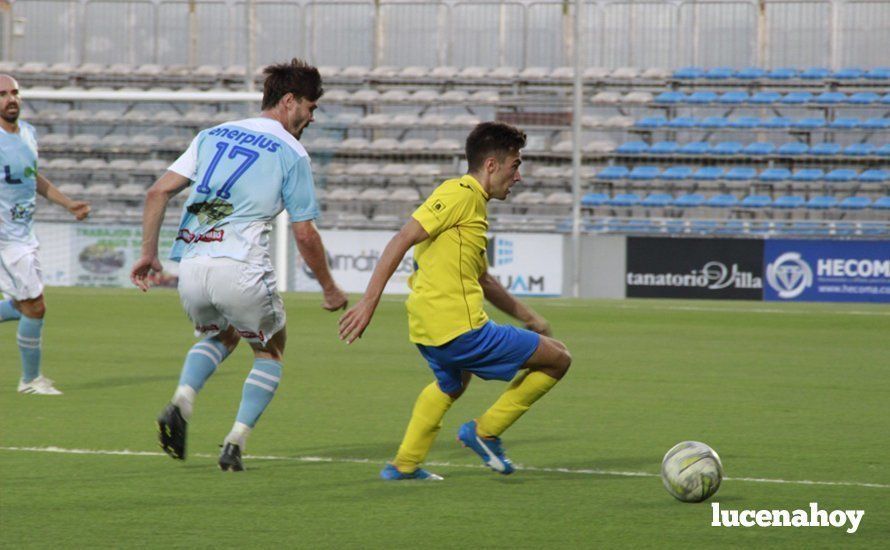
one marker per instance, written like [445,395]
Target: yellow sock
[426,421]
[523,391]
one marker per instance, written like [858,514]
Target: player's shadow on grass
[118,382]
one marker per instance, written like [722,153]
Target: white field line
[338,460]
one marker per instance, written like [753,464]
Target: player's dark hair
[492,139]
[296,77]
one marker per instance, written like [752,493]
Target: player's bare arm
[312,250]
[357,319]
[156,199]
[79,209]
[500,298]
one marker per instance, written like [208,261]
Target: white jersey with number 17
[244,174]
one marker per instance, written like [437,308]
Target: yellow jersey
[446,297]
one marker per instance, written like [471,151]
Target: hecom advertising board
[694,268]
[827,271]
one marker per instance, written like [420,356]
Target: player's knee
[35,309]
[229,338]
[563,360]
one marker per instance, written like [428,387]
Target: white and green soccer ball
[691,471]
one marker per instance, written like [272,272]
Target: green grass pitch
[782,391]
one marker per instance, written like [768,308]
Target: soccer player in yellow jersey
[446,319]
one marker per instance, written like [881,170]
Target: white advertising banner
[527,264]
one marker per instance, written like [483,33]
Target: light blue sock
[201,361]
[8,312]
[259,388]
[29,346]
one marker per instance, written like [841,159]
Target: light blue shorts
[491,352]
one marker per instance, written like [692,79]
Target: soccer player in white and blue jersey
[243,174]
[20,275]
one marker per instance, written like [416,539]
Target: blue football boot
[391,473]
[488,448]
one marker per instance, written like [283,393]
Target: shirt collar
[472,181]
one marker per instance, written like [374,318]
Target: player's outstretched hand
[141,270]
[335,299]
[356,320]
[79,209]
[540,325]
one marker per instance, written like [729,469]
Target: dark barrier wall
[827,271]
[694,268]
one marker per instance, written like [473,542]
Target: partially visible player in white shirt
[242,175]
[20,276]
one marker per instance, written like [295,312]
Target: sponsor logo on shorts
[249,334]
[207,328]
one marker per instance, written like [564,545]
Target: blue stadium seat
[750,73]
[797,98]
[782,73]
[830,98]
[883,150]
[859,149]
[885,99]
[855,203]
[878,73]
[777,122]
[874,175]
[657,200]
[675,226]
[821,202]
[594,199]
[713,122]
[691,200]
[744,122]
[844,229]
[675,173]
[682,122]
[701,96]
[727,148]
[644,173]
[723,201]
[806,227]
[612,173]
[759,148]
[651,122]
[719,73]
[689,73]
[876,123]
[848,73]
[756,201]
[840,175]
[793,149]
[705,227]
[815,73]
[846,123]
[863,98]
[807,175]
[825,149]
[774,174]
[664,148]
[733,98]
[881,203]
[670,97]
[765,98]
[632,148]
[740,173]
[694,148]
[624,199]
[708,173]
[789,201]
[808,123]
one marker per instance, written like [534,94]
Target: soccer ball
[691,471]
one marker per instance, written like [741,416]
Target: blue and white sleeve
[298,192]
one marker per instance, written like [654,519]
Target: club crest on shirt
[212,211]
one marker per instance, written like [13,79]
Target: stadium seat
[777,122]
[727,148]
[624,200]
[670,97]
[830,98]
[863,98]
[701,97]
[782,73]
[846,123]
[765,98]
[821,202]
[682,122]
[689,73]
[708,173]
[734,98]
[772,175]
[807,175]
[881,203]
[664,148]
[632,148]
[756,201]
[694,148]
[651,122]
[848,73]
[740,173]
[719,73]
[815,73]
[657,200]
[676,173]
[825,149]
[750,73]
[796,98]
[878,73]
[613,173]
[713,122]
[644,173]
[691,200]
[607,98]
[876,123]
[725,200]
[811,123]
[859,149]
[883,150]
[744,122]
[840,175]
[874,175]
[594,199]
[759,148]
[855,203]
[793,149]
[788,201]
